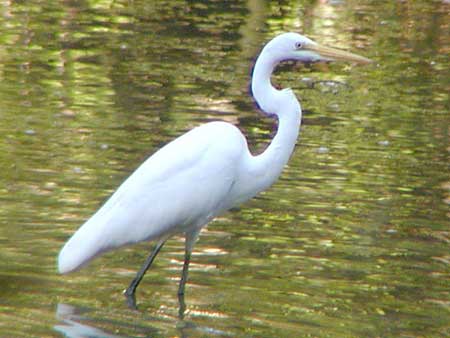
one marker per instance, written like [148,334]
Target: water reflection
[73,328]
[76,322]
[352,241]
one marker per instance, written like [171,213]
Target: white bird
[201,174]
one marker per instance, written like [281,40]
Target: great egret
[201,174]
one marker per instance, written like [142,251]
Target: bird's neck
[261,87]
[267,166]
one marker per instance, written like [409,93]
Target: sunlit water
[353,241]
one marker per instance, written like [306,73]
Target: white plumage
[178,189]
[200,174]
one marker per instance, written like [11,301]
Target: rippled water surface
[352,241]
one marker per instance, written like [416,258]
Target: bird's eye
[298,45]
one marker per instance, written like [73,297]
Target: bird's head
[293,46]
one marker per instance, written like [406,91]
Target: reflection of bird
[201,174]
[73,326]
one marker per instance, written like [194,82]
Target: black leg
[191,238]
[182,308]
[130,291]
[184,274]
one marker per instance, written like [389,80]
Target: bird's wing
[184,184]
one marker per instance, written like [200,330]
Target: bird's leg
[191,238]
[184,274]
[182,308]
[189,244]
[130,291]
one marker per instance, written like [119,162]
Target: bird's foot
[130,299]
[182,304]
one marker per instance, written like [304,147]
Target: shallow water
[352,241]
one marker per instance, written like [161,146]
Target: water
[353,241]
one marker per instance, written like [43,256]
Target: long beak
[336,54]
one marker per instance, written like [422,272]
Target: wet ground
[353,240]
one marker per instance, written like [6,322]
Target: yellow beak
[336,54]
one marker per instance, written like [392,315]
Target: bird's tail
[81,248]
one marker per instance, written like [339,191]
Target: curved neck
[267,166]
[262,90]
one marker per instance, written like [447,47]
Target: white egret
[201,174]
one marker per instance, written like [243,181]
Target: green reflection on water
[352,241]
